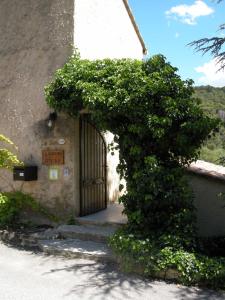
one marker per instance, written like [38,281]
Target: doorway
[93,168]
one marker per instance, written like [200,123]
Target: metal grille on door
[93,177]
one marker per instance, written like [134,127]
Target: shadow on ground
[107,280]
[103,280]
[85,279]
[187,293]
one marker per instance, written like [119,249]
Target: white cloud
[211,75]
[189,13]
[177,35]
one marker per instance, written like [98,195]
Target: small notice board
[53,173]
[52,157]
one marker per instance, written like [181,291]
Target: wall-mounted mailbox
[25,173]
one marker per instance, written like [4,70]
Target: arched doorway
[93,169]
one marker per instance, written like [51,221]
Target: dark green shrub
[158,127]
[153,255]
[211,246]
[11,205]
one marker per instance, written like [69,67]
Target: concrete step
[86,232]
[102,223]
[112,216]
[78,249]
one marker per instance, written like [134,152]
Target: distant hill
[213,103]
[212,98]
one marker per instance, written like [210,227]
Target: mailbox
[25,173]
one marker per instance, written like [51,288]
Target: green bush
[13,204]
[155,255]
[158,127]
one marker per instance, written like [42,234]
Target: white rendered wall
[103,29]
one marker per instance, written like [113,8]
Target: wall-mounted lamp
[51,119]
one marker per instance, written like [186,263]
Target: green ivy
[158,126]
[154,255]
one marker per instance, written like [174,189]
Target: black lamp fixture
[51,119]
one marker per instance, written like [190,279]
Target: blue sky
[167,26]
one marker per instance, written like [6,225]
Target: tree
[157,124]
[213,45]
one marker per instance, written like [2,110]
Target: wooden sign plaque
[52,157]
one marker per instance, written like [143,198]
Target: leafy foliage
[157,124]
[7,158]
[13,204]
[155,255]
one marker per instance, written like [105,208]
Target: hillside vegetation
[213,103]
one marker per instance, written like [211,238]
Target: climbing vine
[158,127]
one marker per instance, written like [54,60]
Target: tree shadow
[106,281]
[94,280]
[103,280]
[192,293]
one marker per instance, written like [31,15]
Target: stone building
[36,38]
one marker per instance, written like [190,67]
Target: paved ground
[28,276]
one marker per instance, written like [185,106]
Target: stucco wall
[210,206]
[103,29]
[208,183]
[35,40]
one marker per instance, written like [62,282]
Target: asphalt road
[32,276]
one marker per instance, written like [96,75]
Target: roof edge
[145,50]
